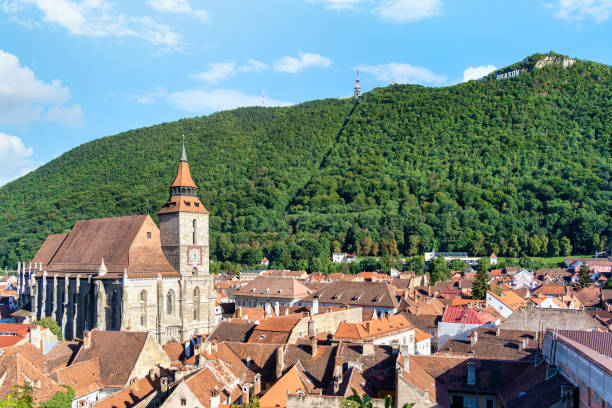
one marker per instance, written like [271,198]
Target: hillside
[515,166]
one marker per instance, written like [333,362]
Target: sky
[73,71]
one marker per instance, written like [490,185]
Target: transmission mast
[357,92]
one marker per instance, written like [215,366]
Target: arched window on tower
[170,302]
[143,320]
[194,231]
[143,296]
[196,304]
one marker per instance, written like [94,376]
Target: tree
[355,401]
[566,246]
[52,325]
[584,276]
[438,270]
[21,397]
[608,284]
[253,403]
[457,265]
[481,283]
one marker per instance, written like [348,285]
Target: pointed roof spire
[183,152]
[102,269]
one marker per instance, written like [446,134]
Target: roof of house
[373,329]
[294,381]
[274,288]
[236,330]
[600,342]
[589,296]
[353,379]
[84,377]
[551,290]
[510,299]
[426,322]
[62,354]
[215,375]
[116,363]
[488,342]
[129,396]
[372,294]
[16,369]
[420,335]
[15,328]
[275,330]
[121,242]
[464,315]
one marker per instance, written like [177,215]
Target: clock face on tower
[194,256]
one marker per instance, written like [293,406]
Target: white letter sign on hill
[509,74]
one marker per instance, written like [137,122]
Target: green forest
[518,166]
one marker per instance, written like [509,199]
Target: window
[457,401]
[183,401]
[196,303]
[170,302]
[143,320]
[194,231]
[143,296]
[194,271]
[148,235]
[490,403]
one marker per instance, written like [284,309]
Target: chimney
[245,393]
[207,347]
[312,328]
[280,362]
[215,399]
[239,312]
[248,361]
[313,346]
[287,312]
[163,384]
[35,337]
[367,348]
[337,377]
[257,384]
[277,308]
[498,331]
[268,309]
[315,306]
[523,343]
[474,338]
[86,339]
[368,327]
[471,373]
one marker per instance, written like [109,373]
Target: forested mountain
[514,166]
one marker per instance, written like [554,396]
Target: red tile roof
[463,315]
[598,341]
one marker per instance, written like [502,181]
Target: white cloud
[402,73]
[14,158]
[95,18]
[178,7]
[203,101]
[72,116]
[477,72]
[294,65]
[220,71]
[22,95]
[597,10]
[407,11]
[151,97]
[339,4]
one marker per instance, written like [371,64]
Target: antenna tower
[357,92]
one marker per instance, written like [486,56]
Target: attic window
[253,290]
[187,203]
[148,235]
[197,204]
[337,296]
[266,290]
[263,336]
[279,291]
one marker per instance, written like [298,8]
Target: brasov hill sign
[509,74]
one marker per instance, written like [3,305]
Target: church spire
[183,190]
[183,153]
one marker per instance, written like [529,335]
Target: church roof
[48,249]
[130,243]
[183,203]
[183,176]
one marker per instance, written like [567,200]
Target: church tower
[183,225]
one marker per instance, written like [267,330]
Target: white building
[340,257]
[458,322]
[506,303]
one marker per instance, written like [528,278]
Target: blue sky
[72,71]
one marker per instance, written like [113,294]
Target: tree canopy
[518,167]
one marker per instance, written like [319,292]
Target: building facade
[125,273]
